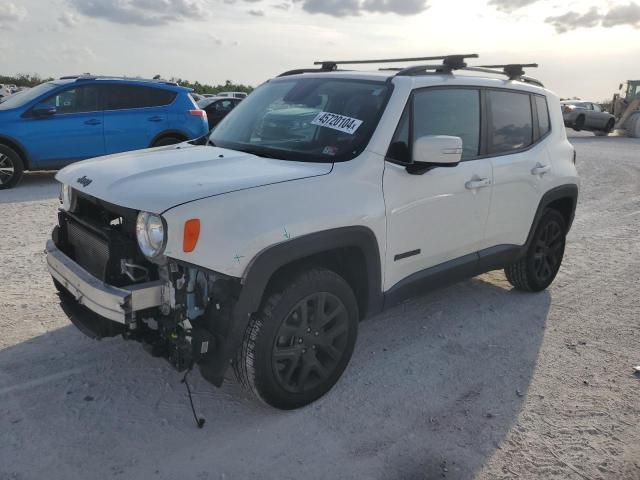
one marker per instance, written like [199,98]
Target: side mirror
[434,151]
[43,110]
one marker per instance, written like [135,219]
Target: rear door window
[510,121]
[122,97]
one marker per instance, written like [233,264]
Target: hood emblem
[84,181]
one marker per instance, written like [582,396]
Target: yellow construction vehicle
[626,109]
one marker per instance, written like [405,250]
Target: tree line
[33,79]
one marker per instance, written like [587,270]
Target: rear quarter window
[510,121]
[544,124]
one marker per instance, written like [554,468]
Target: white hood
[158,179]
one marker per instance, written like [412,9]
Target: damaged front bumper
[118,304]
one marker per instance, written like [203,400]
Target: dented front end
[107,287]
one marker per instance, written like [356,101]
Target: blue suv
[66,120]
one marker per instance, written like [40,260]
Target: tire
[165,141]
[578,125]
[633,129]
[11,167]
[287,359]
[607,129]
[539,267]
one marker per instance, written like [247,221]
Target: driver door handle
[477,183]
[93,121]
[540,169]
[155,119]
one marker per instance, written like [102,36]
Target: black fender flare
[264,265]
[557,193]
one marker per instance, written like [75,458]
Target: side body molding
[269,261]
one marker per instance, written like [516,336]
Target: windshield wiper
[260,153]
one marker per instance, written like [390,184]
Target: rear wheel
[164,141]
[296,348]
[11,167]
[633,130]
[540,265]
[607,129]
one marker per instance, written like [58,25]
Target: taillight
[198,113]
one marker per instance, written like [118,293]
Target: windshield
[18,100]
[205,102]
[306,119]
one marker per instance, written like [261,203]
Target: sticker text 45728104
[337,122]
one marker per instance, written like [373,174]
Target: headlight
[66,197]
[150,232]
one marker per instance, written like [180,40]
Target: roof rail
[515,71]
[83,77]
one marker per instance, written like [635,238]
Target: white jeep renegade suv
[325,197]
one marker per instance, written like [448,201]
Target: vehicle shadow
[433,388]
[34,186]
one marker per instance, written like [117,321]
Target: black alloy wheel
[548,252]
[310,342]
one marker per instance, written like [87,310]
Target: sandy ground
[473,381]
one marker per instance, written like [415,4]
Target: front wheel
[297,346]
[539,267]
[11,167]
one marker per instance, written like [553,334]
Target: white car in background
[323,198]
[233,94]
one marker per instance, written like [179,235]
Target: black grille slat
[90,251]
[88,237]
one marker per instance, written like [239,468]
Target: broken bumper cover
[118,304]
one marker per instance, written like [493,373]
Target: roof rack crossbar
[391,60]
[449,64]
[514,71]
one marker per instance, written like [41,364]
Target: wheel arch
[275,261]
[170,133]
[15,145]
[564,199]
[344,250]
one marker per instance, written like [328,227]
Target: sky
[585,48]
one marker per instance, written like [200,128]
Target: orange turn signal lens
[191,235]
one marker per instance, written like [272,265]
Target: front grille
[90,251]
[98,238]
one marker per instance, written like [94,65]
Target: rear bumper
[114,303]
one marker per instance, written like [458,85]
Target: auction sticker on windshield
[337,122]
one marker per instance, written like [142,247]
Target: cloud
[142,12]
[281,6]
[256,13]
[615,16]
[510,6]
[622,15]
[11,14]
[343,8]
[572,20]
[68,19]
